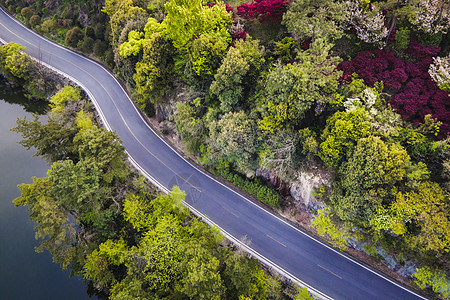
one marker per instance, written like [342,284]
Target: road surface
[323,270]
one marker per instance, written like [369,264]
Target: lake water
[24,274]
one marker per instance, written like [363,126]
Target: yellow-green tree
[155,71]
[427,209]
[342,132]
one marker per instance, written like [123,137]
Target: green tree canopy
[238,70]
[342,132]
[292,90]
[313,19]
[420,216]
[234,138]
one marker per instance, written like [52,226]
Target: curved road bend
[329,273]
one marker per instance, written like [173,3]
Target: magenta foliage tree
[414,93]
[263,10]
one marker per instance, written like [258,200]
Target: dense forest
[349,99]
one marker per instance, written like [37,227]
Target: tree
[67,93]
[155,71]
[325,227]
[227,85]
[342,132]
[35,20]
[279,154]
[191,128]
[88,45]
[54,228]
[109,253]
[285,48]
[102,149]
[428,209]
[263,10]
[201,278]
[26,12]
[84,121]
[234,138]
[16,63]
[48,26]
[313,19]
[206,54]
[74,185]
[440,72]
[52,140]
[73,36]
[238,70]
[191,18]
[369,23]
[292,90]
[366,178]
[121,12]
[426,277]
[430,16]
[373,164]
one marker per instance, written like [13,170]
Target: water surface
[24,274]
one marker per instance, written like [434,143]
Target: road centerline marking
[276,240]
[230,212]
[330,271]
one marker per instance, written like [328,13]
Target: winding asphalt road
[325,271]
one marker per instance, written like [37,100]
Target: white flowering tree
[440,72]
[431,16]
[369,23]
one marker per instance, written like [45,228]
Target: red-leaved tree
[414,93]
[263,10]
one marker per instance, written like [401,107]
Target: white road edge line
[159,185]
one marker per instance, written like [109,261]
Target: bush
[253,187]
[35,20]
[99,48]
[48,26]
[402,39]
[26,12]
[73,36]
[426,277]
[88,45]
[326,227]
[99,31]
[89,32]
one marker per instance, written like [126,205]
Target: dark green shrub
[88,45]
[99,48]
[99,31]
[430,38]
[262,192]
[73,36]
[89,31]
[109,57]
